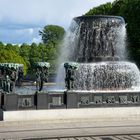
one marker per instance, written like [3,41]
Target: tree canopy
[10,56]
[52,34]
[29,54]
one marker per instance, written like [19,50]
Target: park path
[71,130]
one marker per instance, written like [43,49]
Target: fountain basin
[98,17]
[97,38]
[103,76]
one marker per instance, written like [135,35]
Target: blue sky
[20,20]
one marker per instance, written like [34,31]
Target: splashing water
[106,76]
[97,43]
[97,39]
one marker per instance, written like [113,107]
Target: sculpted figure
[70,71]
[41,74]
[7,84]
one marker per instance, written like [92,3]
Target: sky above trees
[20,20]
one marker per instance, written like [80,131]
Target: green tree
[9,46]
[2,46]
[33,54]
[10,56]
[52,34]
[103,9]
[24,51]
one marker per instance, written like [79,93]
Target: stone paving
[114,137]
[70,130]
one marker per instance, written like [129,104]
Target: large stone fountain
[97,71]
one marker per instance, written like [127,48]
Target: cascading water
[98,38]
[106,76]
[97,43]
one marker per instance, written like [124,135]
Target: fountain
[95,72]
[96,46]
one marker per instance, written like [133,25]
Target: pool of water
[32,89]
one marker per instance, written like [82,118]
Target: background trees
[10,56]
[103,9]
[52,34]
[28,55]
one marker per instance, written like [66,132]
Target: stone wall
[68,99]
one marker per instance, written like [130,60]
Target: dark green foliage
[10,56]
[129,10]
[29,54]
[24,52]
[100,10]
[52,34]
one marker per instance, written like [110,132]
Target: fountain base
[85,99]
[61,104]
[70,99]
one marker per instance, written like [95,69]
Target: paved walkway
[71,130]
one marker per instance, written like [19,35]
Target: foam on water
[110,75]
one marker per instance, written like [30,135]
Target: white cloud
[31,14]
[19,35]
[36,40]
[31,30]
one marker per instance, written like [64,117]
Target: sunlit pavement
[71,130]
